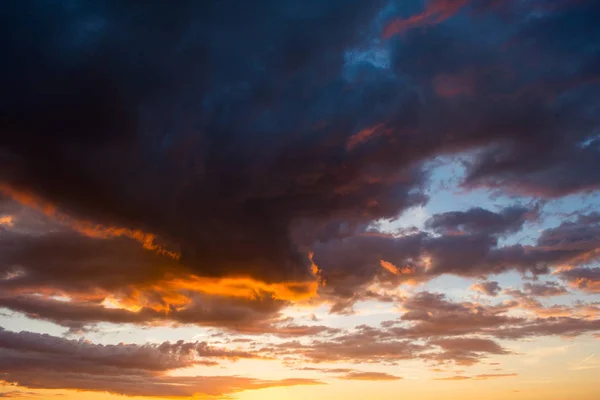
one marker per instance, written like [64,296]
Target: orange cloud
[176,292]
[491,376]
[477,377]
[86,228]
[406,270]
[370,376]
[7,220]
[453,378]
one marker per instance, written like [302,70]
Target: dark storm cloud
[71,262]
[215,144]
[241,133]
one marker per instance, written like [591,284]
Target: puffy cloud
[350,348]
[586,279]
[432,315]
[544,289]
[465,351]
[434,328]
[528,302]
[466,245]
[489,288]
[481,221]
[558,326]
[83,356]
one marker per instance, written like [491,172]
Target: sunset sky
[300,199]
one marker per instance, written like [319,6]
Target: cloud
[466,351]
[433,328]
[476,377]
[354,375]
[207,180]
[350,348]
[147,240]
[585,279]
[114,280]
[466,245]
[432,315]
[545,289]
[481,221]
[369,376]
[526,301]
[255,218]
[148,386]
[83,356]
[41,361]
[436,11]
[328,370]
[492,376]
[180,154]
[241,315]
[559,326]
[488,288]
[176,159]
[453,378]
[18,394]
[6,220]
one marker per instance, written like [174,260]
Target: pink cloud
[437,11]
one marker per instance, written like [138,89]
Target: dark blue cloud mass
[243,132]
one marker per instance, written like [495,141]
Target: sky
[300,199]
